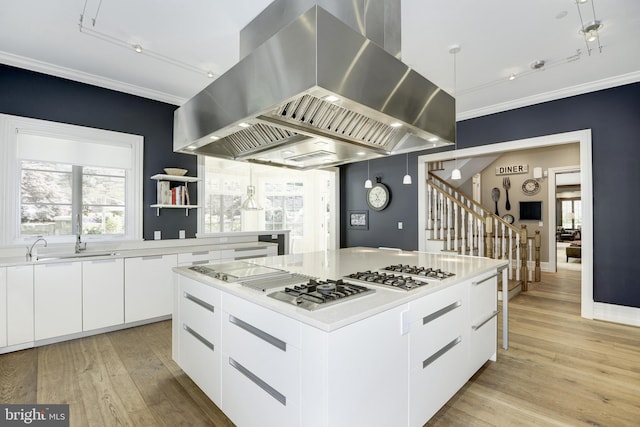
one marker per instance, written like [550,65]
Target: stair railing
[461,223]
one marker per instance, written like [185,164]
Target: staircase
[455,223]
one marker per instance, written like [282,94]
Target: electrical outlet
[157,235]
[181,234]
[399,225]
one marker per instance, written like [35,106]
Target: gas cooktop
[317,294]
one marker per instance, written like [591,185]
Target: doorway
[582,137]
[568,219]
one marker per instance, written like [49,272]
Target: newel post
[523,258]
[537,244]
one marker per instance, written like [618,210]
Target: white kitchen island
[388,358]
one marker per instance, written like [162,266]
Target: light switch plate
[157,235]
[400,225]
[181,234]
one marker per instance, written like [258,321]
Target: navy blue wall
[613,115]
[40,96]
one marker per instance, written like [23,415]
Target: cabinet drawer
[244,253]
[483,342]
[274,324]
[483,296]
[432,386]
[198,257]
[269,404]
[200,359]
[200,309]
[432,303]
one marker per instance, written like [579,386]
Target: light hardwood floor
[560,370]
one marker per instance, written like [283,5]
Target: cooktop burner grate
[320,293]
[390,280]
[424,272]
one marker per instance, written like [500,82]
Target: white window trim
[10,183]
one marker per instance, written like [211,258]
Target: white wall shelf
[173,178]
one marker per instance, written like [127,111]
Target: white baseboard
[616,313]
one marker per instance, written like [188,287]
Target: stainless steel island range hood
[313,92]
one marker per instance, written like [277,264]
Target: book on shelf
[163,193]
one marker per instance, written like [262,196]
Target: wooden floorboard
[560,370]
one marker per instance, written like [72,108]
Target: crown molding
[92,79]
[551,96]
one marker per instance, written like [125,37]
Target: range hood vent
[316,93]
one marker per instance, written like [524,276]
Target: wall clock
[378,196]
[530,187]
[508,218]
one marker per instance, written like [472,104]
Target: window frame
[10,180]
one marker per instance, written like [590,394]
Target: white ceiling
[183,40]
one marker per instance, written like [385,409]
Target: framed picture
[359,220]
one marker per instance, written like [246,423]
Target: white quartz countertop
[342,262]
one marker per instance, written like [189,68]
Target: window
[284,206]
[299,201]
[571,213]
[61,179]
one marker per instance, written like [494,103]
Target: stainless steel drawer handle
[200,253]
[198,301]
[199,337]
[204,261]
[485,279]
[259,333]
[426,362]
[433,316]
[151,257]
[250,256]
[251,248]
[257,381]
[481,324]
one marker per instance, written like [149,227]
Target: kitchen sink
[53,257]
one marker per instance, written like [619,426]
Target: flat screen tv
[530,211]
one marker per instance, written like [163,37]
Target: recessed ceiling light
[287,152]
[395,124]
[210,74]
[137,48]
[214,138]
[191,147]
[361,153]
[434,139]
[512,76]
[331,98]
[244,125]
[581,1]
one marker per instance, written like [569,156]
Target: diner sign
[512,169]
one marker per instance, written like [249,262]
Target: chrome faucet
[30,248]
[79,245]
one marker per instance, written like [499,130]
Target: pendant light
[368,183]
[250,203]
[407,178]
[455,174]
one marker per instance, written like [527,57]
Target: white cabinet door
[57,299]
[3,307]
[102,293]
[148,284]
[19,304]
